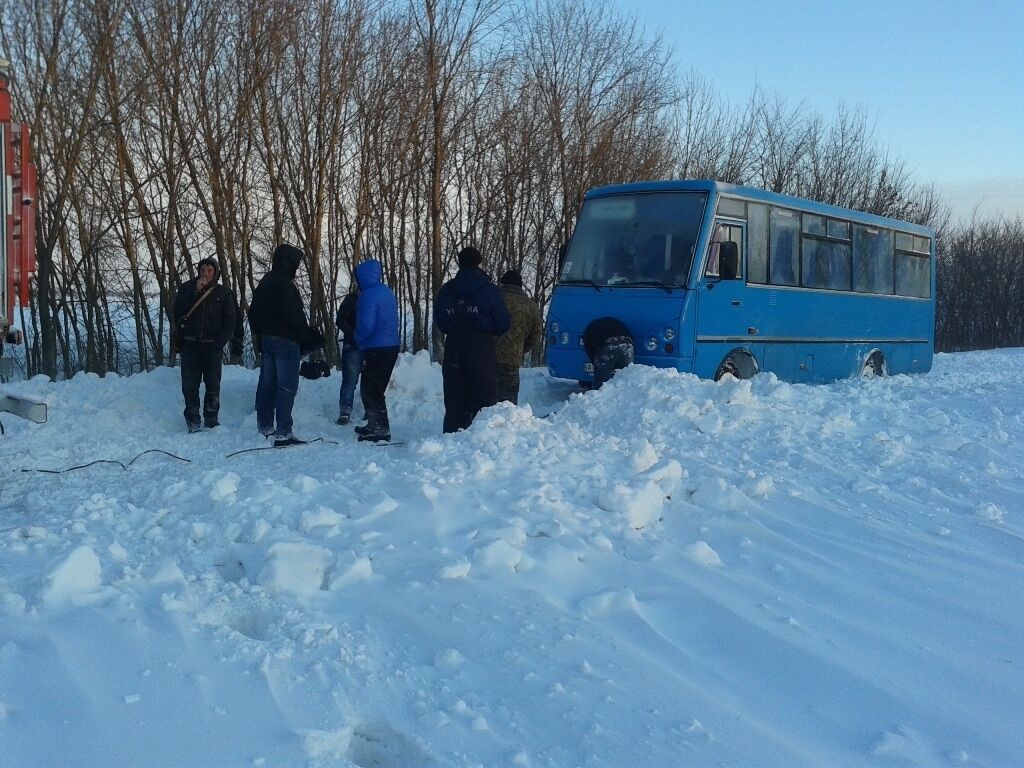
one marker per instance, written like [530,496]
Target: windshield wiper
[668,287]
[580,281]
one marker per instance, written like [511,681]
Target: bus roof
[761,196]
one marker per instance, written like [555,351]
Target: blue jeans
[351,367]
[279,381]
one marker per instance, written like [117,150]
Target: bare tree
[446,32]
[981,286]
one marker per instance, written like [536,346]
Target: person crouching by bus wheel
[280,331]
[470,311]
[377,337]
[351,355]
[609,346]
[205,312]
[520,338]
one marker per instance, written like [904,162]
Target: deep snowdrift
[668,572]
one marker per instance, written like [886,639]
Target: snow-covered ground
[667,572]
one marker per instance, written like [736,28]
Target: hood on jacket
[369,273]
[287,259]
[469,280]
[213,263]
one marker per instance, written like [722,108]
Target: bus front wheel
[874,365]
[737,364]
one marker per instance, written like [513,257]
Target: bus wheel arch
[739,363]
[874,364]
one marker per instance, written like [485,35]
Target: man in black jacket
[281,333]
[471,312]
[204,311]
[351,355]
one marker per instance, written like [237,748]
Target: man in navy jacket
[470,311]
[351,356]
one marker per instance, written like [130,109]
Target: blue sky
[942,81]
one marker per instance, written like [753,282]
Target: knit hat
[470,257]
[512,277]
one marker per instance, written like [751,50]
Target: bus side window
[783,256]
[757,243]
[726,243]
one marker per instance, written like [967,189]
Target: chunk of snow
[224,488]
[641,505]
[360,570]
[644,456]
[458,570]
[448,658]
[296,568]
[77,577]
[328,745]
[989,511]
[700,552]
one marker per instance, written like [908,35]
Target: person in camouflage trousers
[520,339]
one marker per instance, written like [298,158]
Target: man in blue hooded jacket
[378,339]
[470,311]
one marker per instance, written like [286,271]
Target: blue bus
[717,279]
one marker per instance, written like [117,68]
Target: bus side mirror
[728,260]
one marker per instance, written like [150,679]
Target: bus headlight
[652,344]
[669,334]
[554,326]
[564,337]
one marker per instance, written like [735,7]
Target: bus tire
[739,363]
[874,365]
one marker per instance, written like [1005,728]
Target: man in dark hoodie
[351,355]
[471,313]
[204,313]
[281,333]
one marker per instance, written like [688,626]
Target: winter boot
[194,426]
[378,429]
[343,419]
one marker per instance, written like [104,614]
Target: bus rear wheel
[874,365]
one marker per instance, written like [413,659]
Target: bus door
[724,321]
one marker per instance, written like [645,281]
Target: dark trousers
[279,381]
[470,383]
[508,383]
[378,365]
[201,363]
[351,368]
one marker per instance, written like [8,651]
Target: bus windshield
[639,239]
